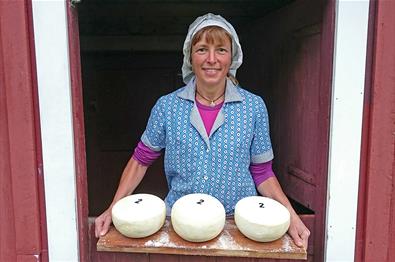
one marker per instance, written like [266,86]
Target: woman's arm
[131,178]
[297,230]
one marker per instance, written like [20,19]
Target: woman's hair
[214,34]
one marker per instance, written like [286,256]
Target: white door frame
[53,74]
[55,105]
[346,127]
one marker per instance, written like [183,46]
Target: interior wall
[286,67]
[120,88]
[119,91]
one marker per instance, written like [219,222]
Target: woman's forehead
[213,38]
[212,34]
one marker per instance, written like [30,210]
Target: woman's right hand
[131,177]
[102,223]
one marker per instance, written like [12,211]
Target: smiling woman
[229,145]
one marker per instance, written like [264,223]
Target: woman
[215,133]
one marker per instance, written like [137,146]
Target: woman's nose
[212,58]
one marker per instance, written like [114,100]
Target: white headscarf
[205,21]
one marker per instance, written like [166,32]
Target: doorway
[131,54]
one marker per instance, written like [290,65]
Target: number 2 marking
[200,201]
[138,201]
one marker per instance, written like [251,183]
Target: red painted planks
[375,225]
[79,131]
[40,174]
[7,227]
[196,259]
[164,258]
[20,120]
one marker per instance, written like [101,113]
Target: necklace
[212,101]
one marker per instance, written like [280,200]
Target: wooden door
[293,50]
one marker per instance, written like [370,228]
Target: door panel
[291,68]
[119,91]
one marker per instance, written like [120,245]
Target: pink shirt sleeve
[145,155]
[261,172]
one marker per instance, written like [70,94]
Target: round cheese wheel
[261,219]
[198,217]
[139,215]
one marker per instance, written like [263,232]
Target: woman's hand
[298,231]
[131,177]
[102,223]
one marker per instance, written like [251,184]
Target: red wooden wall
[375,239]
[22,216]
[21,179]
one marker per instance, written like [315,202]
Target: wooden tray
[229,243]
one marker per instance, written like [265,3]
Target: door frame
[60,131]
[72,78]
[346,127]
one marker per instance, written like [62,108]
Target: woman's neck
[210,95]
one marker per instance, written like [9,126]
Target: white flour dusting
[225,241]
[286,244]
[285,247]
[161,241]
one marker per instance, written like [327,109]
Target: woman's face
[211,62]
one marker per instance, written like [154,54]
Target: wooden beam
[132,43]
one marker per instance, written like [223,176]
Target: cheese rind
[139,215]
[198,217]
[261,219]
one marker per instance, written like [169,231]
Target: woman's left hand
[298,231]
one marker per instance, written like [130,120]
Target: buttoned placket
[197,122]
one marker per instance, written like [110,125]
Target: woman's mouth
[211,71]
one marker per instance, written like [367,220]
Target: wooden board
[229,243]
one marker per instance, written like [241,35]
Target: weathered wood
[22,222]
[376,205]
[289,63]
[229,243]
[79,131]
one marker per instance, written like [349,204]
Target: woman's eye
[201,50]
[223,50]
